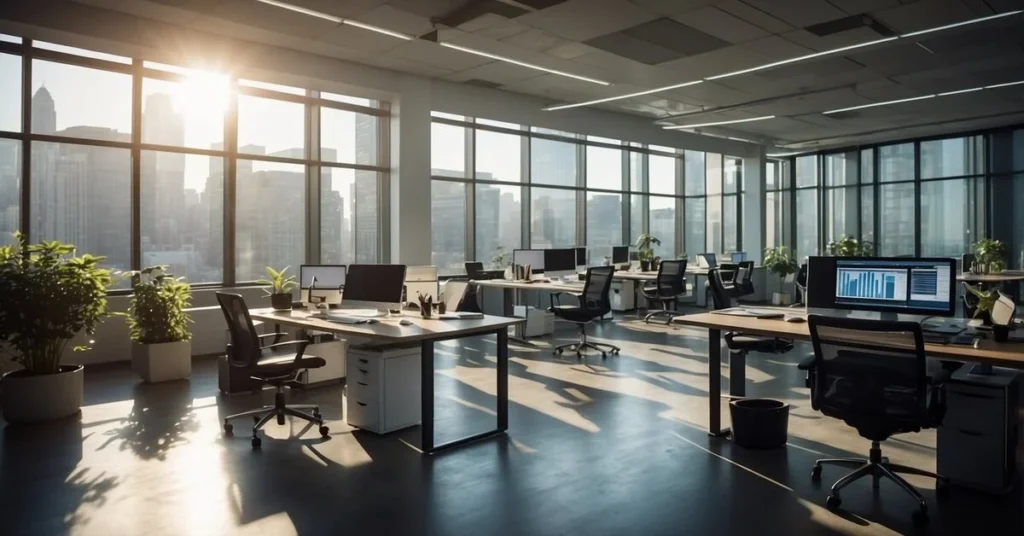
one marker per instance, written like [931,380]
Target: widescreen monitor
[581,256]
[620,254]
[559,262]
[374,286]
[921,286]
[533,257]
[330,281]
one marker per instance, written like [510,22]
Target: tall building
[163,180]
[44,112]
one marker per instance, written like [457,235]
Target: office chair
[669,286]
[743,281]
[728,271]
[871,374]
[740,345]
[266,364]
[801,286]
[470,302]
[593,304]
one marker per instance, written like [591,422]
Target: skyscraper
[44,112]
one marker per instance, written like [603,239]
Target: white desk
[388,332]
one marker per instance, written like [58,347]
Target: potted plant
[158,325]
[48,295]
[990,254]
[280,290]
[780,261]
[986,301]
[502,258]
[645,251]
[848,246]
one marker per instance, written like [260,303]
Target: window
[713,188]
[636,172]
[349,220]
[842,212]
[663,225]
[268,195]
[448,226]
[552,162]
[499,222]
[81,195]
[604,168]
[271,127]
[358,101]
[447,150]
[79,102]
[896,219]
[867,213]
[604,224]
[10,189]
[553,218]
[693,163]
[348,137]
[948,217]
[184,114]
[661,174]
[954,157]
[694,239]
[10,93]
[498,156]
[806,222]
[896,163]
[806,171]
[637,216]
[730,223]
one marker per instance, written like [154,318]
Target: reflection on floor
[595,447]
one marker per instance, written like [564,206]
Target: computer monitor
[420,280]
[916,286]
[821,283]
[620,254]
[581,257]
[707,260]
[330,281]
[374,286]
[533,257]
[739,256]
[559,262]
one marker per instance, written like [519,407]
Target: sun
[203,95]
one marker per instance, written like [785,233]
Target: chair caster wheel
[228,429]
[833,502]
[256,443]
[324,431]
[920,518]
[816,473]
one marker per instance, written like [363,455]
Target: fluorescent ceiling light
[524,64]
[801,58]
[971,90]
[762,118]
[884,103]
[631,95]
[1004,85]
[377,29]
[303,10]
[964,23]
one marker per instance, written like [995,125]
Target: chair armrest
[555,300]
[806,363]
[277,336]
[300,344]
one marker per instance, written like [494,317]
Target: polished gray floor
[598,447]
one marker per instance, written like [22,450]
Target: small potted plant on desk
[645,251]
[984,302]
[158,325]
[48,295]
[848,246]
[990,255]
[280,290]
[780,261]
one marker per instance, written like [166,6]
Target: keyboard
[936,338]
[345,319]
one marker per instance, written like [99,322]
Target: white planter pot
[781,298]
[47,397]
[162,362]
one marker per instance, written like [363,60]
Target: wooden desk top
[388,330]
[1001,277]
[522,285]
[1001,354]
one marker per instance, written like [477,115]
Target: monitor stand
[367,313]
[888,316]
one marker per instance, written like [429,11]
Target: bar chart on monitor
[872,284]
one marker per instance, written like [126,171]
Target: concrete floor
[612,447]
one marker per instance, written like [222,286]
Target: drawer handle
[361,383]
[364,371]
[363,361]
[973,395]
[971,433]
[361,404]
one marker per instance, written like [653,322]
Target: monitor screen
[620,254]
[581,256]
[374,283]
[903,285]
[739,256]
[328,276]
[709,259]
[533,257]
[559,260]
[821,286]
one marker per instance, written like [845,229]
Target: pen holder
[426,305]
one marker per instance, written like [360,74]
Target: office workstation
[464,267]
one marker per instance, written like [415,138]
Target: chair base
[583,344]
[669,315]
[878,467]
[278,411]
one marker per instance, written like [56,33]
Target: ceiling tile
[396,20]
[719,61]
[720,24]
[627,46]
[569,51]
[799,13]
[354,38]
[673,7]
[407,66]
[923,15]
[493,26]
[837,40]
[856,7]
[497,72]
[580,20]
[273,19]
[534,40]
[425,8]
[437,56]
[346,9]
[755,16]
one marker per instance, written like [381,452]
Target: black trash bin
[759,423]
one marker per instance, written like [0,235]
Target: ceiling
[637,45]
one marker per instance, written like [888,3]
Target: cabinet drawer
[363,389]
[982,410]
[970,458]
[363,368]
[363,414]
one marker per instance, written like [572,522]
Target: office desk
[987,352]
[1001,277]
[426,332]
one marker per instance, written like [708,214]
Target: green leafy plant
[278,282]
[986,299]
[644,243]
[848,246]
[157,311]
[780,261]
[502,258]
[992,253]
[48,295]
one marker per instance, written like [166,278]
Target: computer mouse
[796,319]
[405,322]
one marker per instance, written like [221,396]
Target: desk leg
[738,374]
[715,384]
[510,311]
[427,397]
[502,379]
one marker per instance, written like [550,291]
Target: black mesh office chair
[267,364]
[668,287]
[728,271]
[801,285]
[470,300]
[743,281]
[740,345]
[593,304]
[871,374]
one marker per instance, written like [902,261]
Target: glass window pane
[268,196]
[867,213]
[714,224]
[448,226]
[951,157]
[271,127]
[82,195]
[636,172]
[777,219]
[730,227]
[867,166]
[694,209]
[661,174]
[272,87]
[663,225]
[10,92]
[498,156]
[185,114]
[713,181]
[349,223]
[599,139]
[604,225]
[771,175]
[604,168]
[732,175]
[444,115]
[447,150]
[896,219]
[806,223]
[806,171]
[182,211]
[542,130]
[358,101]
[947,217]
[79,102]
[10,189]
[896,163]
[663,149]
[502,124]
[81,52]
[553,218]
[637,216]
[499,221]
[348,137]
[841,169]
[842,213]
[10,38]
[552,162]
[693,161]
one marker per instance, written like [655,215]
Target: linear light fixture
[994,86]
[883,103]
[335,19]
[734,121]
[959,91]
[789,61]
[524,64]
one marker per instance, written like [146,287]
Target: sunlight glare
[203,95]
